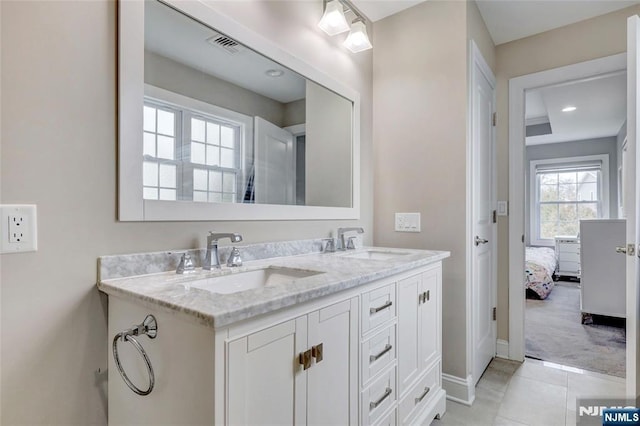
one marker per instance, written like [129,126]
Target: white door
[631,197]
[274,164]
[483,245]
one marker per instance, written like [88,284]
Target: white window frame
[193,108]
[533,191]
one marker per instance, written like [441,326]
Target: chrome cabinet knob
[479,241]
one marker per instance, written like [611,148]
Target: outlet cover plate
[18,230]
[407,222]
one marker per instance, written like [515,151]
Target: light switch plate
[19,230]
[502,209]
[407,222]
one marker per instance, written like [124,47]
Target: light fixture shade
[358,40]
[333,21]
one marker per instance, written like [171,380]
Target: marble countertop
[336,272]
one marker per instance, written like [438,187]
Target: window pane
[549,192]
[228,158]
[200,196]
[167,176]
[548,178]
[149,173]
[213,155]
[166,147]
[215,181]
[567,192]
[228,198]
[149,144]
[588,211]
[166,123]
[588,192]
[197,130]
[568,228]
[227,136]
[200,180]
[568,213]
[229,183]
[197,153]
[567,177]
[167,194]
[150,193]
[149,119]
[591,176]
[548,230]
[213,133]
[215,197]
[548,220]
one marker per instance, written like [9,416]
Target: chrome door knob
[622,250]
[479,241]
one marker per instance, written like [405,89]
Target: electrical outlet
[19,230]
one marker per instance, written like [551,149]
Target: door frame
[517,87]
[477,64]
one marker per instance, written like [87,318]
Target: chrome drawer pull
[421,397]
[374,404]
[386,349]
[380,308]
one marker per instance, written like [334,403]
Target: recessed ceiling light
[569,109]
[274,73]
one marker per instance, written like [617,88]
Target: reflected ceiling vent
[229,45]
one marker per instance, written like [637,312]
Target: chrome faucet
[342,231]
[211,259]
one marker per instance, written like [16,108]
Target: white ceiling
[175,36]
[509,20]
[601,109]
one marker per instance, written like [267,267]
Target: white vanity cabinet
[263,388]
[366,355]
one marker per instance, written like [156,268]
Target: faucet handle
[186,264]
[234,258]
[330,246]
[351,245]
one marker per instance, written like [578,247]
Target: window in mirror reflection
[190,155]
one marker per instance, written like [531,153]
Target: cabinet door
[264,384]
[429,317]
[332,380]
[409,362]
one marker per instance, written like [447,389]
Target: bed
[540,264]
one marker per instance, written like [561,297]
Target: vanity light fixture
[333,21]
[358,40]
[569,109]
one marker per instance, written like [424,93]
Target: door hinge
[495,216]
[494,313]
[494,119]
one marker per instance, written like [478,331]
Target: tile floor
[533,393]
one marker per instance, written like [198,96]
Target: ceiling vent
[229,45]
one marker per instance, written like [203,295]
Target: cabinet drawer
[378,307]
[387,420]
[568,248]
[569,257]
[573,267]
[379,397]
[419,395]
[377,353]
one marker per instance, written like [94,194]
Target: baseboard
[502,349]
[458,389]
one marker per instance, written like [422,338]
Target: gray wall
[573,149]
[59,146]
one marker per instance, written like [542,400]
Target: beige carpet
[554,332]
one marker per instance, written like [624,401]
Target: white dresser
[568,255]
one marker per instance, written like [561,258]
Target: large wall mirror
[218,123]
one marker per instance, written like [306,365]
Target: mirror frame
[131,205]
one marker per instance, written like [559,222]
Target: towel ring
[148,327]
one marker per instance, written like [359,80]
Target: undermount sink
[241,281]
[375,255]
